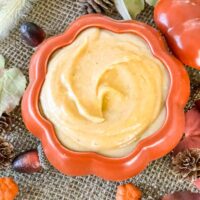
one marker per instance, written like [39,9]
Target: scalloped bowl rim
[148,149]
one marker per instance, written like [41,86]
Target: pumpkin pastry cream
[105,92]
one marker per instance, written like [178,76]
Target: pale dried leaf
[134,7]
[192,131]
[151,2]
[2,61]
[12,86]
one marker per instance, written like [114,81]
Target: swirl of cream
[103,92]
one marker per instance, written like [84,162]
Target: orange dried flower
[8,189]
[128,192]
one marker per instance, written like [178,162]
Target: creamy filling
[105,92]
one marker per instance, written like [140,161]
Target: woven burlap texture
[158,179]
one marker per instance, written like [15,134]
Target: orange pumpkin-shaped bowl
[150,148]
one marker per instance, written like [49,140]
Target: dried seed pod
[187,164]
[5,123]
[98,6]
[6,153]
[32,34]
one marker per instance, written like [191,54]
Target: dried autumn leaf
[2,61]
[192,126]
[192,131]
[128,192]
[12,86]
[182,196]
[197,183]
[191,142]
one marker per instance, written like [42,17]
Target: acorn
[32,161]
[32,34]
[27,162]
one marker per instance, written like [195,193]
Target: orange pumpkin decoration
[128,192]
[8,189]
[179,20]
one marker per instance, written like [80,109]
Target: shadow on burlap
[156,180]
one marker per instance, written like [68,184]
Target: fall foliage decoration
[12,86]
[5,123]
[98,6]
[186,155]
[10,13]
[32,34]
[6,153]
[186,195]
[187,164]
[179,21]
[197,183]
[128,192]
[192,131]
[27,162]
[8,189]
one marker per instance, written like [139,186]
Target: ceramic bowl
[148,149]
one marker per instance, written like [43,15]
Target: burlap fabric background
[156,180]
